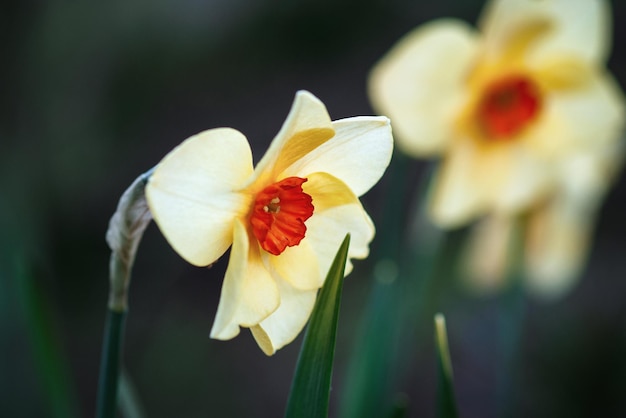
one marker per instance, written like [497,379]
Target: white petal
[420,84]
[306,128]
[193,197]
[576,27]
[358,154]
[284,324]
[249,292]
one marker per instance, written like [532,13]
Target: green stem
[408,259]
[511,322]
[126,228]
[110,366]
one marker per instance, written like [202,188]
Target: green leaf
[446,406]
[310,389]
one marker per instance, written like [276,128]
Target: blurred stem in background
[123,236]
[511,322]
[401,299]
[35,376]
[416,264]
[51,365]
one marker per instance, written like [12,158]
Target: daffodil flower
[527,120]
[283,219]
[506,106]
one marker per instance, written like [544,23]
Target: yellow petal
[511,27]
[487,254]
[299,265]
[581,28]
[577,27]
[524,178]
[358,154]
[588,175]
[460,186]
[590,115]
[249,292]
[562,72]
[284,324]
[557,246]
[337,213]
[307,127]
[419,84]
[192,193]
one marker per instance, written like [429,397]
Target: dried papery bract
[126,229]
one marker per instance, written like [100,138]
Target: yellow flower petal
[459,192]
[307,127]
[589,115]
[588,175]
[487,254]
[476,176]
[557,245]
[577,27]
[249,292]
[337,212]
[299,266]
[284,324]
[523,178]
[192,193]
[420,84]
[511,27]
[358,154]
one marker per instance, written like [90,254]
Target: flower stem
[123,236]
[110,366]
[511,324]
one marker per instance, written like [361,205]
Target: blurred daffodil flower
[557,233]
[526,119]
[284,218]
[507,106]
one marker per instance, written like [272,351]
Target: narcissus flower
[506,106]
[283,219]
[522,112]
[557,232]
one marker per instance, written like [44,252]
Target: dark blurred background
[93,94]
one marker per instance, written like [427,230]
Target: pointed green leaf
[446,405]
[310,389]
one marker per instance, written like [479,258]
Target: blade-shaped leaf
[310,389]
[446,405]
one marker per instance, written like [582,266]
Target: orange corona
[279,213]
[508,105]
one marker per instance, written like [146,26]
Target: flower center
[508,105]
[279,213]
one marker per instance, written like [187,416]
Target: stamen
[279,213]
